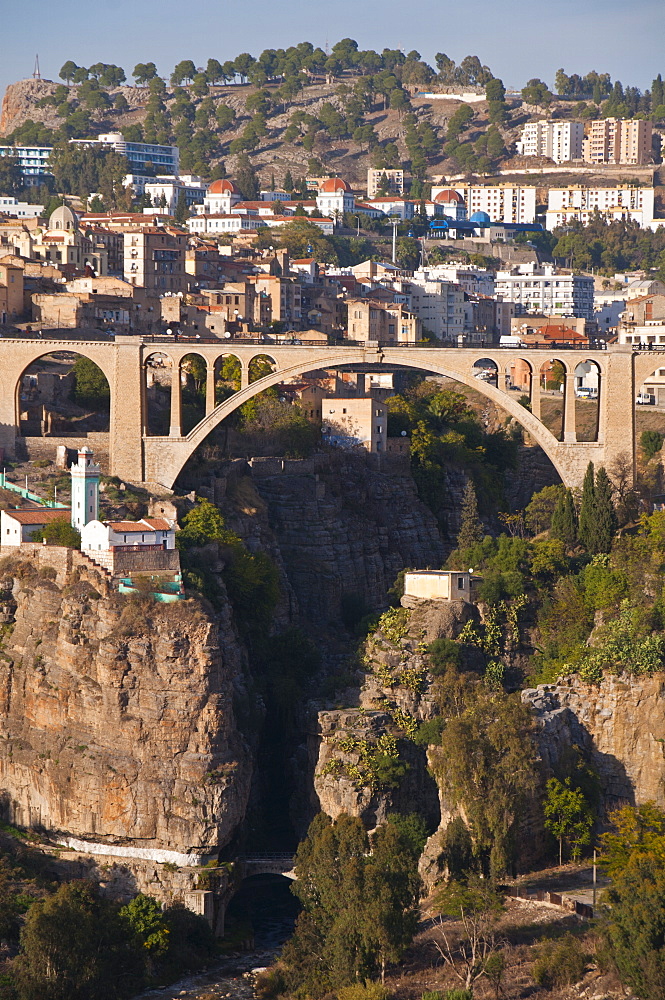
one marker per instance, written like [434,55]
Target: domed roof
[223,187]
[480,217]
[448,196]
[63,218]
[334,184]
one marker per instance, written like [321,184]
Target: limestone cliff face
[116,720]
[347,530]
[620,722]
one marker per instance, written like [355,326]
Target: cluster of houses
[133,276]
[123,549]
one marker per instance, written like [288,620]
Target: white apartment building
[438,304]
[165,192]
[165,159]
[558,140]
[223,223]
[502,202]
[473,279]
[33,162]
[19,209]
[580,204]
[393,205]
[546,290]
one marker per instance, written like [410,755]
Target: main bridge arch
[165,457]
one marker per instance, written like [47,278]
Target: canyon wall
[116,718]
[619,722]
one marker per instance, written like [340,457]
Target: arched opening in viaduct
[193,383]
[62,394]
[158,388]
[262,912]
[588,391]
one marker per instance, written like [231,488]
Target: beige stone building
[101,303]
[355,423]
[11,290]
[382,322]
[285,295]
[155,259]
[63,244]
[375,178]
[441,585]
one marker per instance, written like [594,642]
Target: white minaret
[85,489]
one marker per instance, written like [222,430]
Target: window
[460,583]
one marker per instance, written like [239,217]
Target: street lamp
[358,229]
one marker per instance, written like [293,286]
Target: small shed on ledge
[442,585]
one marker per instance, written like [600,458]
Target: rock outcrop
[620,723]
[116,718]
[396,694]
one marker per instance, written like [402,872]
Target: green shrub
[363,991]
[59,533]
[560,963]
[429,733]
[651,443]
[443,653]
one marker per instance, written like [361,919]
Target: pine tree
[288,181]
[588,510]
[657,93]
[564,520]
[605,516]
[181,213]
[471,530]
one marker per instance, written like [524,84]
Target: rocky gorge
[135,733]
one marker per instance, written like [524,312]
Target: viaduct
[137,456]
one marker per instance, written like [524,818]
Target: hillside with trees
[301,110]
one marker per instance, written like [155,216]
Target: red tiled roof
[42,516]
[158,523]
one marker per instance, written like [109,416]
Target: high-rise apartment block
[392,179]
[617,140]
[560,141]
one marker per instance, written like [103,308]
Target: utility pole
[394,223]
[36,75]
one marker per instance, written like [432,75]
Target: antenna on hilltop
[327,48]
[36,75]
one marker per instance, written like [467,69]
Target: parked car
[645,399]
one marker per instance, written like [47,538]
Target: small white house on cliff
[442,585]
[149,532]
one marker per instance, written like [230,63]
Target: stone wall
[46,447]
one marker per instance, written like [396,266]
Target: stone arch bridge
[137,456]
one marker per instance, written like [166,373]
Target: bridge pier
[569,416]
[535,394]
[210,385]
[175,423]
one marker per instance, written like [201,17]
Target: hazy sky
[518,39]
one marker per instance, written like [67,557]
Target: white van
[645,399]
